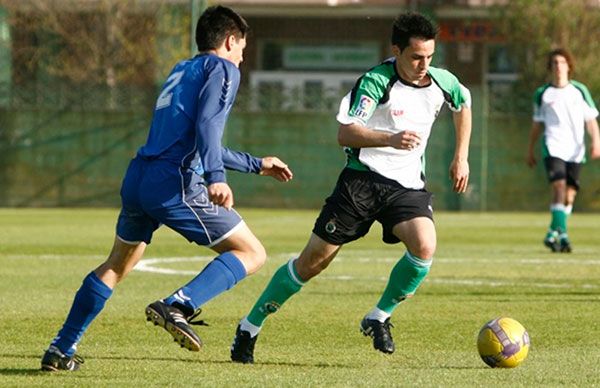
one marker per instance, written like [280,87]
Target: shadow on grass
[37,357]
[21,372]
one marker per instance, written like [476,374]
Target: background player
[562,109]
[385,123]
[178,179]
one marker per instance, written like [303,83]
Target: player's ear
[229,42]
[396,50]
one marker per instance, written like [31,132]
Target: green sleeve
[587,96]
[455,94]
[537,96]
[369,91]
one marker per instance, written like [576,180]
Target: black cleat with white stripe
[176,323]
[380,332]
[54,360]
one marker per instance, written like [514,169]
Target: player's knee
[260,255]
[424,250]
[112,272]
[257,256]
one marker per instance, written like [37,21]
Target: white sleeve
[343,116]
[467,95]
[589,112]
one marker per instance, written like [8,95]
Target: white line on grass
[151,265]
[147,265]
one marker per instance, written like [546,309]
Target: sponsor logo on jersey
[364,107]
[397,112]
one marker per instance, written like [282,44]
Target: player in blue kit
[178,179]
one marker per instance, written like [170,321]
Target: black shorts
[363,197]
[558,169]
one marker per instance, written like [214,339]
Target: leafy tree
[103,44]
[533,28]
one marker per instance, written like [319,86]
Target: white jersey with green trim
[564,112]
[382,101]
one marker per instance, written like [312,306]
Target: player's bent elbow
[343,137]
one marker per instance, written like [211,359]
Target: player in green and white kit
[385,122]
[563,108]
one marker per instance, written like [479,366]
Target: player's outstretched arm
[459,168]
[594,132]
[274,167]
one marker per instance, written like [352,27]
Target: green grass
[486,265]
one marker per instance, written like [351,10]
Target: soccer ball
[503,343]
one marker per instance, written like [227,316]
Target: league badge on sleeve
[363,108]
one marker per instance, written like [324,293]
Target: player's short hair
[412,25]
[563,53]
[217,23]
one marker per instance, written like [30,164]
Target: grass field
[486,265]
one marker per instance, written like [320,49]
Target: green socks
[406,276]
[559,218]
[284,283]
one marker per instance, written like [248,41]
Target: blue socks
[218,276]
[89,301]
[225,271]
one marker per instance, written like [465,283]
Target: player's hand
[220,194]
[405,140]
[530,160]
[273,166]
[459,174]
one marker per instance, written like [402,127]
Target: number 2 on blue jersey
[164,99]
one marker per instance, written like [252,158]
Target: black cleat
[174,321]
[380,332]
[565,245]
[242,348]
[552,243]
[54,360]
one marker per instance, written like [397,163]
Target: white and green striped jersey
[564,111]
[382,101]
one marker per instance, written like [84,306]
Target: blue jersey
[189,119]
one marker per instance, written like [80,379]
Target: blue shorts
[157,192]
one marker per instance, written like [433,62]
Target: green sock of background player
[559,218]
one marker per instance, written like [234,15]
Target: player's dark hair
[217,23]
[563,53]
[412,25]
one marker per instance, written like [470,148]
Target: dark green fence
[76,156]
